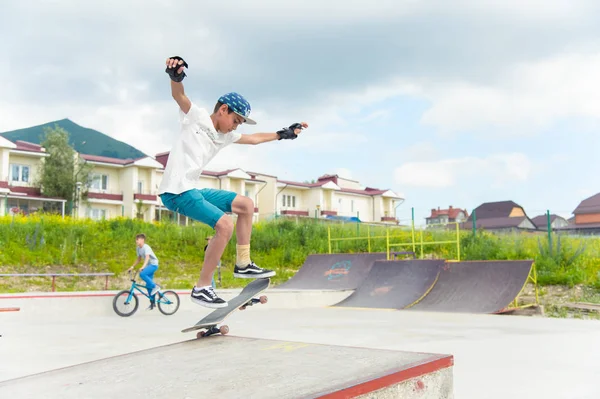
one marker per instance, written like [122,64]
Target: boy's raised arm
[175,70]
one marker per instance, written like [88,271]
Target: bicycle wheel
[128,308]
[168,302]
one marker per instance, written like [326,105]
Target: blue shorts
[206,205]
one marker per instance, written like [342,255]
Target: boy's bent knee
[225,226]
[244,205]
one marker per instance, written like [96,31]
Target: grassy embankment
[41,244]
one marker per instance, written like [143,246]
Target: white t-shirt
[197,145]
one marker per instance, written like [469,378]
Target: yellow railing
[389,245]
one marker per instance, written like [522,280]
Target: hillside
[83,140]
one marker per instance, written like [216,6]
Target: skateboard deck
[245,298]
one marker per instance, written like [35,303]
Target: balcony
[91,196]
[290,212]
[328,213]
[145,197]
[388,219]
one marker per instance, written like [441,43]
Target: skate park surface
[494,356]
[371,328]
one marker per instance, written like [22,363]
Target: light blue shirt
[146,250]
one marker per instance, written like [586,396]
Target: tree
[61,169]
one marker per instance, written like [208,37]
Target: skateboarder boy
[202,136]
[149,267]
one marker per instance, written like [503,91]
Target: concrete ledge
[244,368]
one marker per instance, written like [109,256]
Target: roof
[496,223]
[29,192]
[295,183]
[542,220]
[97,158]
[451,212]
[29,147]
[589,205]
[494,209]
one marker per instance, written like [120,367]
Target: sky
[446,103]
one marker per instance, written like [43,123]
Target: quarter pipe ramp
[395,284]
[332,271]
[476,286]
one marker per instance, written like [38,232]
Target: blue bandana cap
[238,104]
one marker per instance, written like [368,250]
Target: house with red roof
[445,216]
[124,182]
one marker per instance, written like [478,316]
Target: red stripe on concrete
[390,379]
[71,295]
[9,309]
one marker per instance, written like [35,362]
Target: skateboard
[243,300]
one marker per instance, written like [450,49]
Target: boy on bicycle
[149,266]
[203,135]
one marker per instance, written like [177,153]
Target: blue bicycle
[167,301]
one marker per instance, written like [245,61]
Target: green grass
[47,243]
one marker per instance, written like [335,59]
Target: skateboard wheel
[224,329]
[263,299]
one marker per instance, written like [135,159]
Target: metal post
[413,230]
[549,230]
[458,241]
[329,237]
[369,237]
[474,219]
[106,284]
[53,283]
[387,241]
[421,244]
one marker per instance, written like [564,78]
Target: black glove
[288,132]
[172,72]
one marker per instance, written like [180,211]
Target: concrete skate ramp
[332,271]
[476,286]
[395,284]
[233,367]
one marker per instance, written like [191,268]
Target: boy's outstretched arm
[175,70]
[289,133]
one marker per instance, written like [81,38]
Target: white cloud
[532,97]
[496,170]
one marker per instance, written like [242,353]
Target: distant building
[556,222]
[586,219]
[445,216]
[500,216]
[128,187]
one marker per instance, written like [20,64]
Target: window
[97,214]
[289,200]
[99,182]
[247,193]
[19,173]
[140,187]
